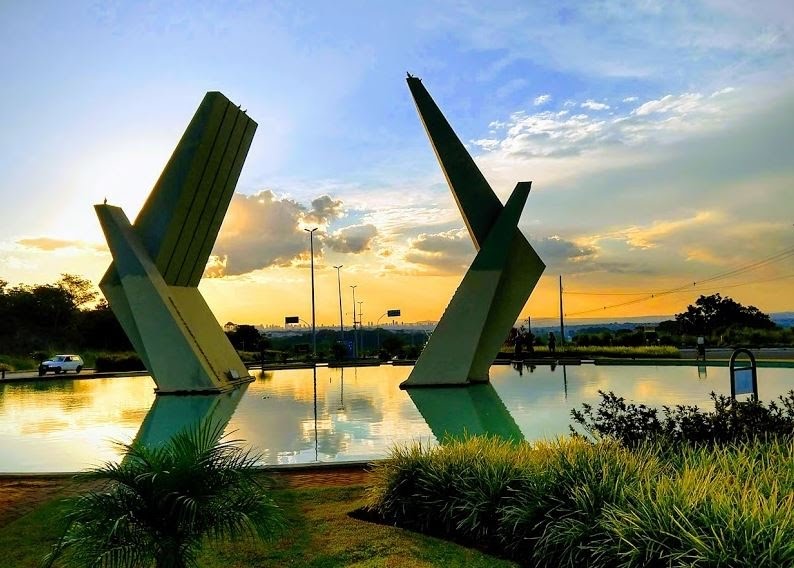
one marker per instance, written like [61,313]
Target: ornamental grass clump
[457,489]
[158,505]
[723,506]
[557,523]
[571,502]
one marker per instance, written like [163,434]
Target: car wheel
[78,369]
[57,370]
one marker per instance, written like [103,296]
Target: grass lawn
[320,534]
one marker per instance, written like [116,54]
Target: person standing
[552,343]
[701,344]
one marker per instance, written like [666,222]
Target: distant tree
[669,327]
[392,344]
[245,338]
[715,314]
[80,290]
[99,329]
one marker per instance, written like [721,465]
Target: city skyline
[657,137]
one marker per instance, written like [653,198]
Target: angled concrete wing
[474,411]
[152,284]
[499,281]
[169,415]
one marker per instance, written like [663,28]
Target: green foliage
[621,352]
[118,362]
[715,314]
[635,424]
[248,338]
[574,503]
[79,290]
[56,318]
[159,503]
[321,534]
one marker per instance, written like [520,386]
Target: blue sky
[658,135]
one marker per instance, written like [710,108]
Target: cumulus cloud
[263,230]
[446,251]
[560,133]
[355,238]
[324,209]
[594,105]
[680,104]
[260,230]
[542,100]
[555,250]
[630,99]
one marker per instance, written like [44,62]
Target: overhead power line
[690,287]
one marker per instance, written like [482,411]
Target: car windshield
[61,358]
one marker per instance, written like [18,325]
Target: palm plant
[158,504]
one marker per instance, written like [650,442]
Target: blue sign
[743,381]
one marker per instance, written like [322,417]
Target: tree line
[719,319]
[62,316]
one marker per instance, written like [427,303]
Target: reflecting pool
[306,416]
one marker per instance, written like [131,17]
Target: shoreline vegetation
[631,487]
[571,502]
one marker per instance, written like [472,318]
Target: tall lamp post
[360,327]
[314,329]
[355,341]
[339,285]
[390,313]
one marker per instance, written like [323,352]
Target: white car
[61,364]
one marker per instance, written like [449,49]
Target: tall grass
[617,351]
[17,363]
[572,503]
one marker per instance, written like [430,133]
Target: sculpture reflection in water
[472,410]
[171,414]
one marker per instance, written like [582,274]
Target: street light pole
[314,329]
[355,339]
[360,327]
[339,285]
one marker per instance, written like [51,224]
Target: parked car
[61,364]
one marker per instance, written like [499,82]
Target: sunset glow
[657,136]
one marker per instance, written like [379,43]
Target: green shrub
[119,362]
[724,506]
[731,421]
[159,504]
[575,503]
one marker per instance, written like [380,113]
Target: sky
[658,137]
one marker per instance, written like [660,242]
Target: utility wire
[734,272]
[693,286]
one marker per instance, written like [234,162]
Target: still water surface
[297,416]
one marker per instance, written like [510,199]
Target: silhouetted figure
[530,342]
[552,343]
[105,202]
[701,345]
[519,346]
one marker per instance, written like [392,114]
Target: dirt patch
[20,495]
[332,477]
